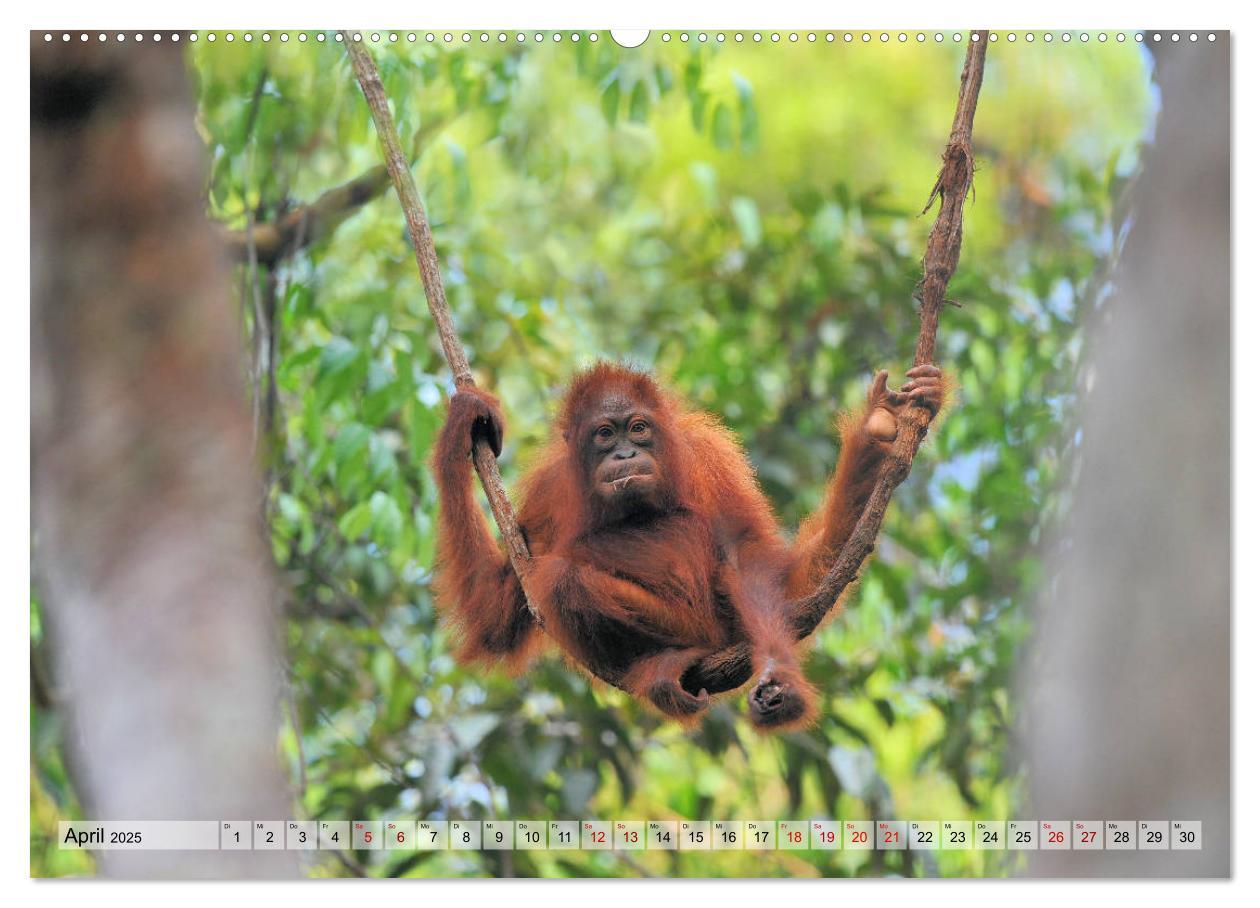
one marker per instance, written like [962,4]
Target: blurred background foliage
[743,218]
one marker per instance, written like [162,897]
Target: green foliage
[744,219]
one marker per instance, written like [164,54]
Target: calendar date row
[636,835]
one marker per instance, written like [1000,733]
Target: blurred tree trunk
[151,559]
[1127,699]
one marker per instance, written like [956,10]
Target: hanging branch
[943,246]
[426,258]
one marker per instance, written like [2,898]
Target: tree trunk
[151,561]
[1127,700]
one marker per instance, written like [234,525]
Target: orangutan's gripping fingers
[926,392]
[489,427]
[926,387]
[475,415]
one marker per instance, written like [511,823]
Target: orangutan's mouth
[621,483]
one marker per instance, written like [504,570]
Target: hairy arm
[474,578]
[866,440]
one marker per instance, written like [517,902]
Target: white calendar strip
[633,835]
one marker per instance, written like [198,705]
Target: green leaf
[983,360]
[699,102]
[338,355]
[610,101]
[639,103]
[747,220]
[386,518]
[351,440]
[356,521]
[664,78]
[723,127]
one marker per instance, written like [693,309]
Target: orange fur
[674,597]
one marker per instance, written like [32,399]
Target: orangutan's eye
[638,427]
[603,433]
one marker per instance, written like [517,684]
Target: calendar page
[726,452]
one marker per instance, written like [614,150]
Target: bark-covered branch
[307,224]
[426,259]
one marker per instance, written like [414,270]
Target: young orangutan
[654,550]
